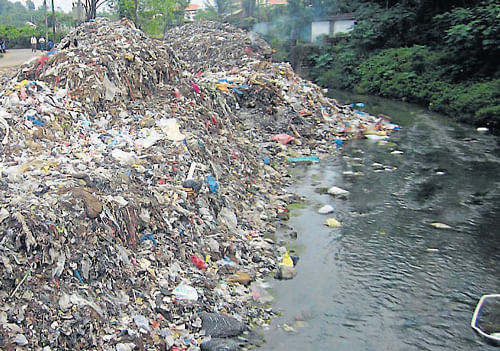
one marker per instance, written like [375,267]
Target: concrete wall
[318,28]
[342,26]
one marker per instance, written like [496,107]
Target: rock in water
[221,326]
[220,345]
[286,273]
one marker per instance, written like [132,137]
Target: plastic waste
[142,322]
[282,138]
[198,262]
[185,293]
[332,223]
[376,137]
[212,184]
[357,104]
[287,260]
[228,218]
[336,191]
[303,159]
[21,340]
[149,237]
[326,209]
[440,225]
[124,157]
[171,127]
[259,293]
[111,89]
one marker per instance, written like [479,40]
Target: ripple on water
[387,289]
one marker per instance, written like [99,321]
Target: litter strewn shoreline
[141,191]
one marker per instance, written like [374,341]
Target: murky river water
[387,279]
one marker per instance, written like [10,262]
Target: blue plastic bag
[212,184]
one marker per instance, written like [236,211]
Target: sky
[67,5]
[64,5]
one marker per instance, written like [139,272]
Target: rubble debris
[125,157]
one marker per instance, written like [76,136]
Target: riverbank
[141,191]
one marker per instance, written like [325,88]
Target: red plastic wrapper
[198,262]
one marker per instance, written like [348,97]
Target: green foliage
[442,54]
[471,36]
[16,38]
[399,73]
[219,10]
[158,15]
[472,102]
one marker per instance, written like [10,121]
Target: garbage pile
[216,46]
[139,197]
[127,67]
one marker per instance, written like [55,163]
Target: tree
[159,14]
[248,7]
[30,5]
[179,11]
[91,7]
[219,10]
[53,23]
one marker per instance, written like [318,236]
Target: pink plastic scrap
[282,138]
[195,87]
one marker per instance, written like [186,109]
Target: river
[387,279]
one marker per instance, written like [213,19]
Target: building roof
[277,2]
[192,7]
[342,16]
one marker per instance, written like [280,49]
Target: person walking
[50,45]
[2,46]
[33,43]
[41,41]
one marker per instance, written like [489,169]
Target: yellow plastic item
[287,261]
[222,87]
[332,222]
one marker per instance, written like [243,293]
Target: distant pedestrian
[2,46]
[41,41]
[33,43]
[50,45]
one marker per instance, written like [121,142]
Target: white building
[332,25]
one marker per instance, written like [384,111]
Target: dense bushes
[17,38]
[455,72]
[417,74]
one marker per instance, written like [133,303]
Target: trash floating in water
[397,152]
[332,223]
[482,129]
[439,225]
[287,260]
[336,191]
[326,209]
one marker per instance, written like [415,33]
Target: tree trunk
[46,25]
[53,23]
[135,13]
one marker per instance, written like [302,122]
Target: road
[16,57]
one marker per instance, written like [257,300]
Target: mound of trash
[103,62]
[215,46]
[140,196]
